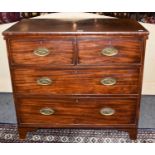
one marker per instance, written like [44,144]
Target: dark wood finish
[23,131]
[132,133]
[129,51]
[60,52]
[76,66]
[90,26]
[76,81]
[68,112]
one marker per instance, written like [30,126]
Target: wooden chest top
[81,27]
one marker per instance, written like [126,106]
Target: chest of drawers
[76,74]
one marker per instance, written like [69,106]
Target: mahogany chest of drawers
[77,74]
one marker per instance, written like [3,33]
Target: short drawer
[65,82]
[72,112]
[41,52]
[110,51]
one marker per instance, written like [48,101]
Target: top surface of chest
[81,27]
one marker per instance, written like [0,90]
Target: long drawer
[81,112]
[59,82]
[109,51]
[41,52]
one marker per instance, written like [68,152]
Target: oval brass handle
[44,81]
[107,111]
[109,51]
[41,52]
[47,111]
[108,81]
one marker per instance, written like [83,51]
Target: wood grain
[108,27]
[76,81]
[77,111]
[60,52]
[129,51]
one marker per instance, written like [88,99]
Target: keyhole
[77,101]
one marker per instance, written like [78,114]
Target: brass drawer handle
[41,52]
[108,81]
[44,81]
[109,51]
[107,111]
[47,111]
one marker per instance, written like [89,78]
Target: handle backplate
[107,111]
[44,81]
[41,52]
[108,81]
[47,111]
[109,51]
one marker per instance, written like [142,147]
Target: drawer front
[42,52]
[70,112]
[66,82]
[103,52]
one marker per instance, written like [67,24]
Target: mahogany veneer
[83,74]
[68,112]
